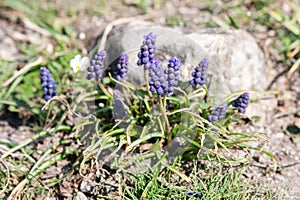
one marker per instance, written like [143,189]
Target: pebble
[80,196]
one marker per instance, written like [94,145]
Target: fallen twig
[22,71]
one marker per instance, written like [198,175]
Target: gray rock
[80,196]
[8,49]
[238,56]
[237,63]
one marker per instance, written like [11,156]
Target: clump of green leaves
[185,124]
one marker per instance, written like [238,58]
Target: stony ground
[279,118]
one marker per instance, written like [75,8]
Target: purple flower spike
[218,113]
[241,102]
[95,70]
[147,51]
[48,84]
[122,67]
[172,74]
[158,82]
[199,75]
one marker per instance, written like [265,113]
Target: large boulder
[237,63]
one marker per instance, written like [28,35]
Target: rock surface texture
[237,63]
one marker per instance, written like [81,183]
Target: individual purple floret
[122,67]
[158,82]
[48,84]
[218,113]
[95,70]
[199,75]
[147,51]
[241,102]
[172,74]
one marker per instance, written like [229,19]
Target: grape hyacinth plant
[122,67]
[218,113]
[147,51]
[48,84]
[199,75]
[172,74]
[158,82]
[95,70]
[241,102]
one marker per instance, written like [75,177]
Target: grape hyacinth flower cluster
[218,113]
[122,67]
[241,102]
[95,70]
[172,74]
[147,51]
[158,82]
[199,75]
[48,84]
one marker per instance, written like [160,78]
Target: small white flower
[79,63]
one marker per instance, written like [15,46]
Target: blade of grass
[141,140]
[22,71]
[35,137]
[294,68]
[183,176]
[18,189]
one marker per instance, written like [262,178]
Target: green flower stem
[206,97]
[201,92]
[104,90]
[147,84]
[163,110]
[186,96]
[126,88]
[162,132]
[124,83]
[47,116]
